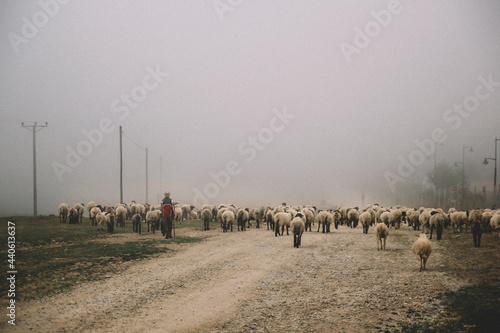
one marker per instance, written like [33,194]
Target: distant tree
[444,177]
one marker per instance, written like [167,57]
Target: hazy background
[226,73]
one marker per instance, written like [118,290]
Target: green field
[52,257]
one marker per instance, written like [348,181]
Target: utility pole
[485,162]
[464,192]
[146,174]
[121,167]
[34,128]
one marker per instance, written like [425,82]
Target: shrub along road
[254,281]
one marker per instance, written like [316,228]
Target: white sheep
[436,222]
[282,220]
[381,232]
[385,218]
[73,216]
[353,217]
[336,218]
[458,220]
[495,223]
[297,227]
[79,208]
[100,220]
[63,212]
[178,214]
[206,216]
[397,214]
[186,212]
[227,220]
[121,216]
[309,215]
[423,249]
[152,219]
[365,219]
[424,219]
[325,219]
[413,220]
[90,205]
[242,219]
[254,215]
[93,215]
[269,218]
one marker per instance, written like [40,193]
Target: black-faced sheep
[73,216]
[423,249]
[63,212]
[297,227]
[336,218]
[381,232]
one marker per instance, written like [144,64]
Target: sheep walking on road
[297,227]
[423,249]
[381,231]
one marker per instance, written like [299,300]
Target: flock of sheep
[298,219]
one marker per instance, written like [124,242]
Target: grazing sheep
[436,222]
[325,219]
[186,211]
[101,221]
[353,217]
[423,249]
[178,214]
[269,218]
[73,216]
[63,212]
[194,215]
[110,221]
[282,220]
[79,208]
[365,219]
[297,227]
[121,216]
[385,218]
[242,219]
[397,214]
[458,220]
[206,216]
[309,216]
[254,215]
[495,223]
[413,220]
[152,218]
[423,220]
[90,205]
[93,215]
[382,232]
[136,223]
[227,220]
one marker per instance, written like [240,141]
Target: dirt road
[254,281]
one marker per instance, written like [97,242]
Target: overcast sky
[281,101]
